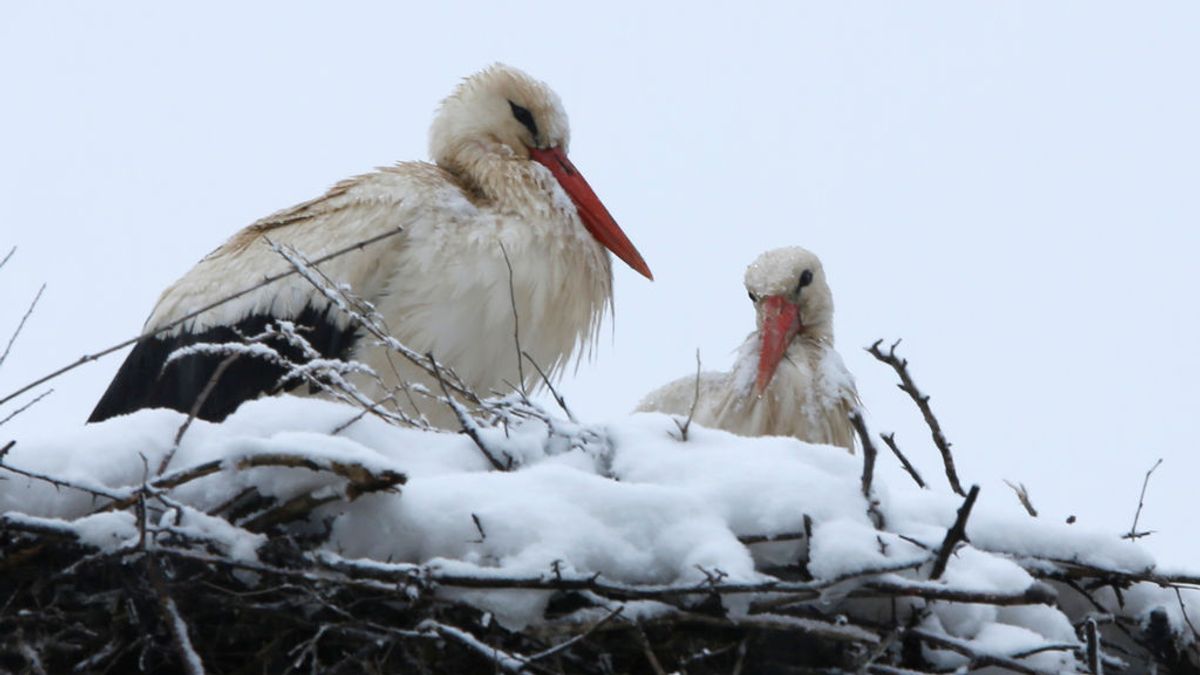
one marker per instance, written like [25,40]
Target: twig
[10,253]
[512,298]
[922,400]
[469,427]
[578,638]
[956,533]
[562,403]
[1133,533]
[195,411]
[868,473]
[188,658]
[1092,635]
[890,440]
[509,663]
[87,358]
[976,657]
[27,406]
[640,635]
[1023,496]
[21,325]
[683,428]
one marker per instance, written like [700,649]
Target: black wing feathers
[142,382]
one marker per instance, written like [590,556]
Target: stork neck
[494,172]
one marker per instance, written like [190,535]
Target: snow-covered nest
[299,534]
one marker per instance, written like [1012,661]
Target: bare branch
[868,474]
[512,298]
[469,427]
[21,325]
[890,440]
[27,406]
[922,400]
[8,255]
[87,358]
[957,533]
[1133,533]
[562,403]
[196,406]
[683,428]
[1023,496]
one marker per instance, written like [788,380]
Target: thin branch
[469,427]
[1094,662]
[922,400]
[562,403]
[13,338]
[87,358]
[10,253]
[195,411]
[956,534]
[27,406]
[512,298]
[976,657]
[578,638]
[868,473]
[1022,493]
[1133,533]
[188,658]
[683,428]
[890,440]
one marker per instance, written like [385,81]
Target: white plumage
[501,183]
[788,380]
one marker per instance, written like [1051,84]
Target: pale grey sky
[1010,187]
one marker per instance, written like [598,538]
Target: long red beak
[593,214]
[781,323]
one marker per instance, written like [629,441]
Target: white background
[1010,187]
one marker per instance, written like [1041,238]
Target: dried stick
[890,440]
[1023,497]
[868,474]
[1133,533]
[469,427]
[578,638]
[512,298]
[922,400]
[27,406]
[1094,662]
[509,663]
[562,402]
[87,358]
[956,533]
[683,428]
[196,406]
[21,325]
[976,657]
[188,658]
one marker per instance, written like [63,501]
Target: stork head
[792,300]
[501,113]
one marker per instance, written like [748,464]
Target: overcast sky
[1011,187]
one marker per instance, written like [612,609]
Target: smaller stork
[788,380]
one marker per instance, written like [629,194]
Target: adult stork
[788,380]
[500,195]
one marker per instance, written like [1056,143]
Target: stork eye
[753,297]
[524,117]
[806,278]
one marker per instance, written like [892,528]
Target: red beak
[781,323]
[593,214]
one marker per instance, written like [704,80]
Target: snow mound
[628,508]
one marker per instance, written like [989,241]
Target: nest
[146,580]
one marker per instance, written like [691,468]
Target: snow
[628,500]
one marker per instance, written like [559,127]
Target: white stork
[500,184]
[788,380]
